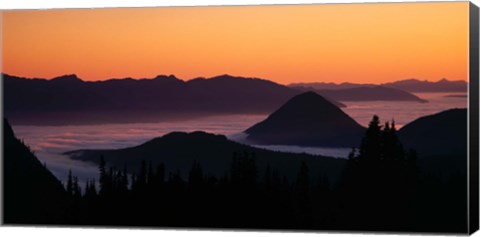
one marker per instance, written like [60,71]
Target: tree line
[381,189]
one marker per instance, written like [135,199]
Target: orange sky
[296,43]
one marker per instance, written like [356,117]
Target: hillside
[32,195]
[179,150]
[440,141]
[307,120]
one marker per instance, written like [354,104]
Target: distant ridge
[69,100]
[410,85]
[329,85]
[443,85]
[67,78]
[366,93]
[307,119]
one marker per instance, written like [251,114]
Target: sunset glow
[298,43]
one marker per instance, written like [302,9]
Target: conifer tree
[195,178]
[70,183]
[159,177]
[103,176]
[243,172]
[303,179]
[371,142]
[77,192]
[377,179]
[268,178]
[150,172]
[142,176]
[123,182]
[302,194]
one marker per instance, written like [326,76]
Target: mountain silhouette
[71,78]
[330,85]
[307,119]
[32,195]
[365,93]
[179,150]
[440,141]
[409,85]
[444,133]
[443,85]
[69,100]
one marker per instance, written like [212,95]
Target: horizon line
[230,75]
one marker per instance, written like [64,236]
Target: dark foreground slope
[444,133]
[210,182]
[440,140]
[441,143]
[178,151]
[307,120]
[32,195]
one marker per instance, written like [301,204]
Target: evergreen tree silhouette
[103,181]
[77,192]
[302,194]
[378,181]
[371,142]
[142,176]
[195,178]
[150,172]
[90,189]
[70,183]
[158,177]
[123,181]
[268,178]
[243,172]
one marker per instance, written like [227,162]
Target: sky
[362,43]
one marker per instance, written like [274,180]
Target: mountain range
[409,85]
[68,99]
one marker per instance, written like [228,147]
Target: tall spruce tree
[375,180]
[70,183]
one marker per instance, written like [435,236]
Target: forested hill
[178,151]
[32,194]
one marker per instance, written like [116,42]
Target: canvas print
[317,117]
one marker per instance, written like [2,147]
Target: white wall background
[83,232]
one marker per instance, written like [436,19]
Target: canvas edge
[473,109]
[1,124]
